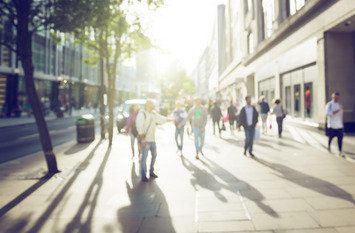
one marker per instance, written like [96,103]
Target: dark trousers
[249,138]
[214,123]
[279,124]
[336,133]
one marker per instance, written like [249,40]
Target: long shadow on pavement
[145,213]
[90,200]
[24,195]
[228,178]
[19,224]
[307,181]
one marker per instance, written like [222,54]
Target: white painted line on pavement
[247,214]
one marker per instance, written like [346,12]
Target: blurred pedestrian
[146,122]
[280,115]
[131,128]
[264,111]
[248,118]
[232,110]
[180,114]
[335,124]
[198,114]
[216,115]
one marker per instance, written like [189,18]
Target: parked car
[123,113]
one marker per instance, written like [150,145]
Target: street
[290,186]
[21,140]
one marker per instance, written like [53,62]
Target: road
[21,140]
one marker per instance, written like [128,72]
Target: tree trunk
[24,50]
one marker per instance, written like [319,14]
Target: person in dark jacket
[248,118]
[216,115]
[264,111]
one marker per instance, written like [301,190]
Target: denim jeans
[179,132]
[199,138]
[249,138]
[152,147]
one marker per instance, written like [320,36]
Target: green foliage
[176,83]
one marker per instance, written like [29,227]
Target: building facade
[297,50]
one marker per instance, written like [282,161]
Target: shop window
[297,100]
[308,100]
[288,99]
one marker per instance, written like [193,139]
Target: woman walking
[131,127]
[280,115]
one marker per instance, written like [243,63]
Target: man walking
[216,115]
[248,118]
[146,125]
[232,110]
[198,114]
[334,113]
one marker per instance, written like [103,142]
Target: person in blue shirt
[180,114]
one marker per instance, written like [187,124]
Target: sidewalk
[290,187]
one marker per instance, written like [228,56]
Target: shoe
[202,153]
[251,154]
[144,179]
[341,154]
[245,152]
[153,175]
[197,156]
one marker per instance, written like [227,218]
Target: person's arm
[128,123]
[328,109]
[189,115]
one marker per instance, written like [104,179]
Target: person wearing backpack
[131,128]
[146,122]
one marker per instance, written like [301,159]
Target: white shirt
[249,114]
[334,121]
[145,119]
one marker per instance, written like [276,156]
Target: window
[288,99]
[308,104]
[269,16]
[38,57]
[297,100]
[249,5]
[5,56]
[250,43]
[295,5]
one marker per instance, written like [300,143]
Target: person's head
[231,102]
[197,101]
[248,100]
[149,105]
[335,96]
[262,98]
[134,108]
[277,101]
[178,104]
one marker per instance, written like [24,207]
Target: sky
[183,28]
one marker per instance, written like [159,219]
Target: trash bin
[85,128]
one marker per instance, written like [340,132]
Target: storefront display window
[297,100]
[308,100]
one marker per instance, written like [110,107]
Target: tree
[175,82]
[116,34]
[28,17]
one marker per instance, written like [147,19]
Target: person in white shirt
[334,113]
[146,122]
